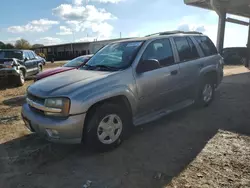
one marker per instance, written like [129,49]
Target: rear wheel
[40,68]
[106,127]
[21,78]
[206,92]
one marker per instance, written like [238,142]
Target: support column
[221,30]
[248,48]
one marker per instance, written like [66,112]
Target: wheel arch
[121,100]
[24,70]
[212,74]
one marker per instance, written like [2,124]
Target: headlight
[61,104]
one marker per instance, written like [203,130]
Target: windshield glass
[11,54]
[76,62]
[117,55]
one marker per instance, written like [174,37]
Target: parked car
[235,55]
[16,65]
[130,82]
[73,64]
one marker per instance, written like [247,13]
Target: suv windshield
[114,56]
[76,62]
[11,54]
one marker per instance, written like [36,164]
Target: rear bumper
[69,131]
[6,72]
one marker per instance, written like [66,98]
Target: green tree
[2,45]
[22,44]
[9,46]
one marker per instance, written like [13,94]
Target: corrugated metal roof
[236,7]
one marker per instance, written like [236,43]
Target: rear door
[188,60]
[34,62]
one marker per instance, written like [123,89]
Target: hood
[52,72]
[66,83]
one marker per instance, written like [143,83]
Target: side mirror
[148,65]
[25,59]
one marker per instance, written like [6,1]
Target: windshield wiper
[92,67]
[106,67]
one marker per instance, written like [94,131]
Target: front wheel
[206,93]
[106,127]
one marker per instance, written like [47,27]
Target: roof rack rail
[173,32]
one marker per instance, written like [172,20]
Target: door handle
[174,72]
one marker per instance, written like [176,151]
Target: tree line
[19,44]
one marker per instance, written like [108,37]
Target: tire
[20,79]
[244,61]
[40,69]
[205,93]
[107,121]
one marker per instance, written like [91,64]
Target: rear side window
[186,49]
[194,52]
[161,50]
[206,45]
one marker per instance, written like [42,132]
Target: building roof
[87,42]
[236,7]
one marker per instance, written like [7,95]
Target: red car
[73,64]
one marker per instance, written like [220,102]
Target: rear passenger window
[206,45]
[161,50]
[186,49]
[194,51]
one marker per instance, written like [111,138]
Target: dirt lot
[207,147]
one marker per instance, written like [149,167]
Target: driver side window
[160,50]
[26,55]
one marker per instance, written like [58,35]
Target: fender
[207,69]
[104,94]
[19,66]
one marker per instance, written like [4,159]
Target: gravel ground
[208,147]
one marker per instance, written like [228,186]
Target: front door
[154,86]
[28,63]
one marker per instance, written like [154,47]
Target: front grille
[38,100]
[36,110]
[35,98]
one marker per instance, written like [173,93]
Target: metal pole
[221,30]
[248,47]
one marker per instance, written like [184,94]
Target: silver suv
[126,83]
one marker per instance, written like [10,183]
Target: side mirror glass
[148,65]
[25,59]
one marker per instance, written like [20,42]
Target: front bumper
[6,72]
[69,130]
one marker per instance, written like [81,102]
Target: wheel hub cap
[207,92]
[109,129]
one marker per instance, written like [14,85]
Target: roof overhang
[235,7]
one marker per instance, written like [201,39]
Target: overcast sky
[60,21]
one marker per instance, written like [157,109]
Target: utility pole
[120,35]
